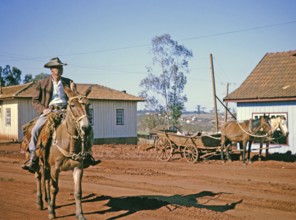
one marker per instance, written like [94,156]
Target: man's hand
[46,111]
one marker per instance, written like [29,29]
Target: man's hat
[54,62]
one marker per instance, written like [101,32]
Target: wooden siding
[26,113]
[21,113]
[9,132]
[245,111]
[104,117]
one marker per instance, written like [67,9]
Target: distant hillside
[190,122]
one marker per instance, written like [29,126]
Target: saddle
[53,119]
[44,142]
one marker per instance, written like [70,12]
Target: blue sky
[108,42]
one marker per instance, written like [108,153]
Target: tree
[29,78]
[163,87]
[40,76]
[10,76]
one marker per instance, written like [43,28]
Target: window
[91,116]
[119,116]
[278,136]
[8,117]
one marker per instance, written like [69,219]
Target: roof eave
[258,99]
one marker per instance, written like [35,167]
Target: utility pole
[214,93]
[0,80]
[226,109]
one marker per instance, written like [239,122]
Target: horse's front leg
[54,189]
[266,150]
[227,153]
[244,151]
[46,184]
[260,148]
[38,177]
[77,176]
[249,150]
[223,139]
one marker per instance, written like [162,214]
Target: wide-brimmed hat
[54,62]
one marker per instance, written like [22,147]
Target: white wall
[105,119]
[26,114]
[11,130]
[245,111]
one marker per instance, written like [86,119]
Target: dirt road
[131,184]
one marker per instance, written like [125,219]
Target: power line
[238,31]
[145,45]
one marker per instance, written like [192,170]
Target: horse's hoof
[40,206]
[80,217]
[51,216]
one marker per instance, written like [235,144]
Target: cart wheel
[191,153]
[164,149]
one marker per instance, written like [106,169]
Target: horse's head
[78,107]
[281,123]
[265,125]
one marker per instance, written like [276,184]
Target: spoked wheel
[164,149]
[191,153]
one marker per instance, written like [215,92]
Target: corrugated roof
[98,92]
[274,78]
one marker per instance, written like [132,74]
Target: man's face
[57,70]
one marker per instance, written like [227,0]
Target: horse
[67,150]
[242,132]
[277,123]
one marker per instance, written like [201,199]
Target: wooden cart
[192,147]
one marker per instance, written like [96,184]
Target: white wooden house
[113,113]
[270,89]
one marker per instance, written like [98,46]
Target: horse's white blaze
[84,124]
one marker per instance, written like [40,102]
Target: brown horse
[242,132]
[66,151]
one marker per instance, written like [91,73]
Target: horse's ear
[68,91]
[73,86]
[87,91]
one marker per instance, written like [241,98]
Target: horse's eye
[72,105]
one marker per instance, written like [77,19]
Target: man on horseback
[49,96]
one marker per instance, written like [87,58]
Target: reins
[253,135]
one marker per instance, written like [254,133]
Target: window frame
[120,116]
[7,117]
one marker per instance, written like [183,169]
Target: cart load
[192,147]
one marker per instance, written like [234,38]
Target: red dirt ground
[131,184]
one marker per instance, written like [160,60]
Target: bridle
[76,120]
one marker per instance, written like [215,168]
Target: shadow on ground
[133,204]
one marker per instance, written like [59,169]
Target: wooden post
[226,109]
[214,94]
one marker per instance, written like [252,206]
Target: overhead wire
[14,57]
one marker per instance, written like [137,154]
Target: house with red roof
[113,113]
[270,89]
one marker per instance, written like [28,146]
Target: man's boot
[32,165]
[90,161]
